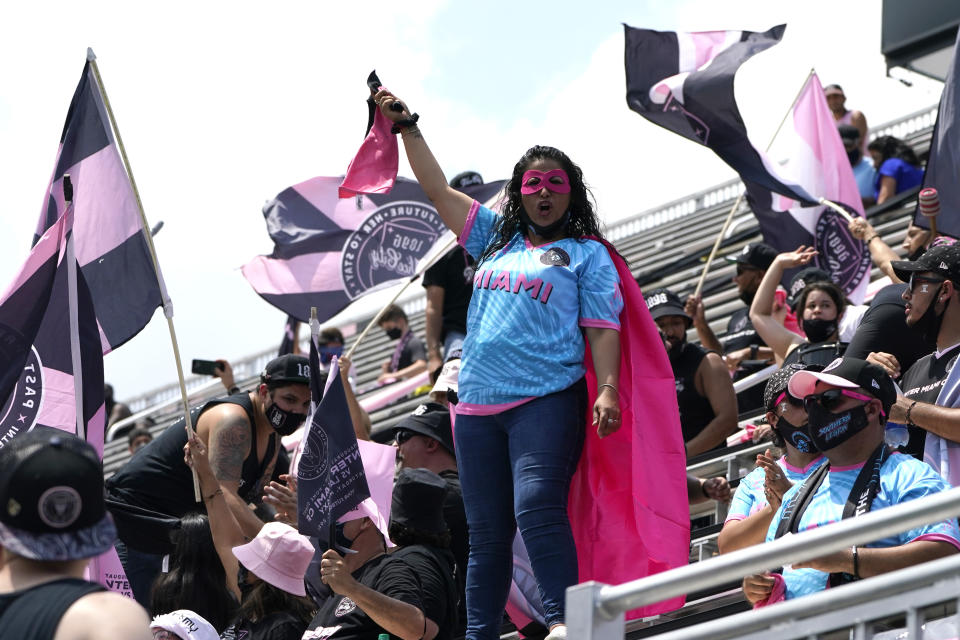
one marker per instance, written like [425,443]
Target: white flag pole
[736,205]
[145,230]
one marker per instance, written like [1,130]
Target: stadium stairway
[665,247]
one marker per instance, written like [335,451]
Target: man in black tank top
[708,405]
[154,489]
[52,521]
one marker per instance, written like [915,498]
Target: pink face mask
[555,180]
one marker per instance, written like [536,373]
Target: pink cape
[374,168]
[628,498]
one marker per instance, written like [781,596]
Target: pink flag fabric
[379,465]
[628,499]
[374,168]
[817,160]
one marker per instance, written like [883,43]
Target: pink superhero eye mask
[555,180]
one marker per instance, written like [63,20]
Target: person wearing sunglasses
[847,407]
[932,310]
[760,492]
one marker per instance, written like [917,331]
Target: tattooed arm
[230,442]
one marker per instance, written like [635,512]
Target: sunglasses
[403,435]
[742,269]
[915,280]
[833,398]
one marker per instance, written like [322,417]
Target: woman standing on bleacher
[540,285]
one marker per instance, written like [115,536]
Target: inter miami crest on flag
[684,82]
[330,251]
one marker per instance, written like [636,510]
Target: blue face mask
[327,353]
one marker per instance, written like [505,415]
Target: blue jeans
[142,569]
[515,471]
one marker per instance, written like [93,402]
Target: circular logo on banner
[59,507]
[313,461]
[843,256]
[19,413]
[388,245]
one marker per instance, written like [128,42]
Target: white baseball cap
[185,624]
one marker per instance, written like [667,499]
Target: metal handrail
[608,603]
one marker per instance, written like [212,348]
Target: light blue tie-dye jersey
[524,336]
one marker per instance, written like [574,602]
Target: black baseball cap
[801,280]
[290,368]
[51,498]
[431,419]
[417,500]
[943,260]
[848,373]
[848,132]
[663,302]
[466,179]
[777,384]
[755,254]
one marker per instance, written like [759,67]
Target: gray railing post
[586,620]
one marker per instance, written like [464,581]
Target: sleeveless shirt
[35,613]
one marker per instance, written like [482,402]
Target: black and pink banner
[108,233]
[684,82]
[330,251]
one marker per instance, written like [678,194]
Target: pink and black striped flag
[328,252]
[51,345]
[815,158]
[684,82]
[109,235]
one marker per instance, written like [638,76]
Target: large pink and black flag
[108,233]
[684,82]
[330,251]
[51,345]
[815,158]
[943,167]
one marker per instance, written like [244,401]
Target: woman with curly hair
[545,287]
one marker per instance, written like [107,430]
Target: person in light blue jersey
[545,288]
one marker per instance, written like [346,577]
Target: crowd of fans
[466,501]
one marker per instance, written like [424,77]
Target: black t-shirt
[454,273]
[695,410]
[35,613]
[276,626]
[884,328]
[412,351]
[340,618]
[438,590]
[740,332]
[922,382]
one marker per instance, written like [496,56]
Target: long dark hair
[265,599]
[890,147]
[583,218]
[196,579]
[836,294]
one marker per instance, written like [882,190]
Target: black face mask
[283,422]
[341,540]
[794,435]
[548,231]
[829,430]
[245,587]
[854,156]
[818,329]
[930,321]
[394,332]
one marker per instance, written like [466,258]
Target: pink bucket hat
[278,555]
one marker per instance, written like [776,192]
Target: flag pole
[736,205]
[73,312]
[411,280]
[145,230]
[836,207]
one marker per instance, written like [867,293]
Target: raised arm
[452,205]
[777,336]
[880,252]
[708,339]
[359,417]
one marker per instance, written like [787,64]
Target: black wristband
[403,124]
[856,563]
[234,389]
[909,409]
[753,351]
[703,490]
